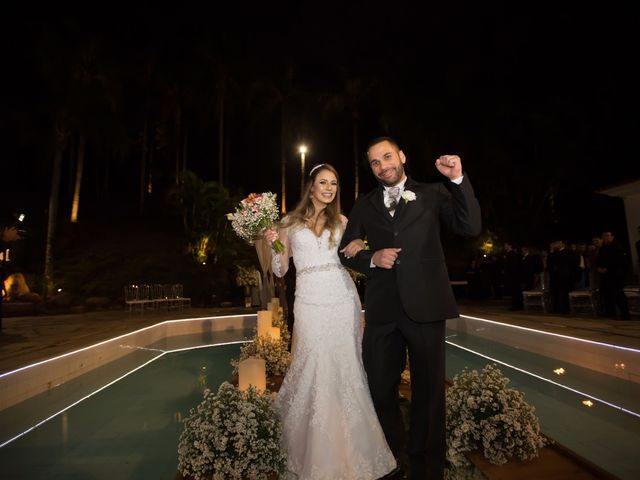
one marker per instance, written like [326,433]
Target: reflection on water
[128,430]
[596,430]
[131,428]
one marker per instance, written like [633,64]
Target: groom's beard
[393,179]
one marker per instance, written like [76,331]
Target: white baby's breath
[482,413]
[274,352]
[232,435]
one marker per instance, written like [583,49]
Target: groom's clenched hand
[385,258]
[450,166]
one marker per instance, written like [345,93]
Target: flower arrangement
[275,353]
[279,321]
[232,435]
[254,214]
[246,276]
[482,413]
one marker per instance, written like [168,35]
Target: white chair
[632,292]
[537,298]
[136,296]
[583,300]
[157,296]
[179,296]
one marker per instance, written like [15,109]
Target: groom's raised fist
[385,258]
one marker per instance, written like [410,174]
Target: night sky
[537,103]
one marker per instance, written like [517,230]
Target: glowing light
[59,290]
[162,354]
[559,371]
[539,377]
[487,247]
[527,329]
[587,403]
[303,149]
[619,366]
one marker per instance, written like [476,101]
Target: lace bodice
[308,250]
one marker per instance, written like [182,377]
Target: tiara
[316,167]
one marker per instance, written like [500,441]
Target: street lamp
[303,151]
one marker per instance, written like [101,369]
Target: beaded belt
[320,268]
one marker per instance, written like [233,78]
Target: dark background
[537,102]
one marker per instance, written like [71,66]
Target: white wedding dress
[330,427]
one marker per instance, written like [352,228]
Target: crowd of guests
[601,266]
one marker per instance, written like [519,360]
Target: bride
[330,427]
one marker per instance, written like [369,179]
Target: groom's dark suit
[406,307]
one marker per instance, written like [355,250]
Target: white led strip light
[163,352]
[630,412]
[608,345]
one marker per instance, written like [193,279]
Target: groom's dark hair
[377,140]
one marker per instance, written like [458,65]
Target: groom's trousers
[384,353]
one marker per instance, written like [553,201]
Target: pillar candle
[265,319]
[275,333]
[252,371]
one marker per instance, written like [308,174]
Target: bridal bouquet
[254,214]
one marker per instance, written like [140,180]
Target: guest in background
[531,268]
[591,259]
[582,281]
[612,266]
[562,275]
[512,262]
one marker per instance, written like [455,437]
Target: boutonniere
[408,196]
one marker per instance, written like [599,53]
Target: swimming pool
[130,429]
[594,414]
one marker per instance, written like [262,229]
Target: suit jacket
[419,282]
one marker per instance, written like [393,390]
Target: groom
[408,295]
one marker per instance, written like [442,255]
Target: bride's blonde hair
[305,210]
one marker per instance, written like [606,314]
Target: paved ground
[25,340]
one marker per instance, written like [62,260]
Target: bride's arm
[354,246]
[279,261]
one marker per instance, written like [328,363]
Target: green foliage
[203,207]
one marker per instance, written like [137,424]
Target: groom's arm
[460,211]
[355,229]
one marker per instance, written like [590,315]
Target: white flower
[482,413]
[408,196]
[220,441]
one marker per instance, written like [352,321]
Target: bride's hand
[352,249]
[270,235]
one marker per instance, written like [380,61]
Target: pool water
[605,435]
[129,430]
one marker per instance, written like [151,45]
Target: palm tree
[350,101]
[268,96]
[227,88]
[60,144]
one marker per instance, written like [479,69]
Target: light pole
[303,151]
